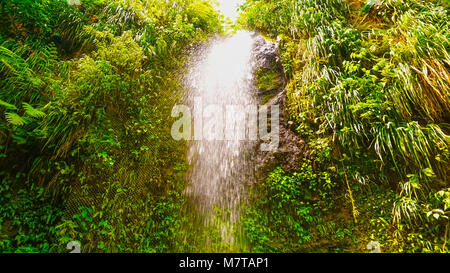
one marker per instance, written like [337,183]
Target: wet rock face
[269,77]
[265,53]
[292,149]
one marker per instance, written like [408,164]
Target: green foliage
[82,88]
[85,146]
[28,217]
[268,81]
[290,17]
[371,78]
[287,210]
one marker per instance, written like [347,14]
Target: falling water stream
[220,75]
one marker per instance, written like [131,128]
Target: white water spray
[221,75]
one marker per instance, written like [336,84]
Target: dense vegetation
[369,91]
[85,145]
[86,152]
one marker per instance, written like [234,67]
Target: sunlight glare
[229,8]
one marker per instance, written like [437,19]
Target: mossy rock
[268,83]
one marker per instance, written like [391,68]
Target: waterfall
[220,77]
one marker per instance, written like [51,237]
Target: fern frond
[8,105]
[15,119]
[32,112]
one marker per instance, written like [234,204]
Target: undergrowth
[85,146]
[369,82]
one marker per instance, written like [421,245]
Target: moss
[268,80]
